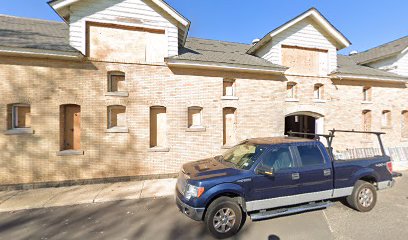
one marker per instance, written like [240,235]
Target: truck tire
[364,196]
[223,217]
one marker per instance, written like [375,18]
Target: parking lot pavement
[160,219]
[388,220]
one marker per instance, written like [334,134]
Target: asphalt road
[154,219]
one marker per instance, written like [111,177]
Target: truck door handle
[327,172]
[295,176]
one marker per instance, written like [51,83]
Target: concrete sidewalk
[83,194]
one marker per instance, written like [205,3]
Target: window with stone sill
[229,88]
[404,124]
[18,116]
[366,122]
[318,91]
[158,127]
[291,90]
[386,119]
[117,117]
[367,94]
[195,117]
[116,82]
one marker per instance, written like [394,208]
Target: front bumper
[191,212]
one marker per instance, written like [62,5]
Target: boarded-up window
[158,127]
[229,87]
[300,60]
[116,116]
[318,91]
[194,117]
[367,93]
[116,82]
[367,122]
[229,126]
[111,42]
[70,127]
[291,90]
[18,116]
[386,119]
[404,124]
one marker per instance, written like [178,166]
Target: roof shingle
[34,34]
[214,51]
[346,65]
[382,51]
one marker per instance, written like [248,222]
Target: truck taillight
[389,166]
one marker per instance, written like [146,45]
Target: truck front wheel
[223,217]
[364,196]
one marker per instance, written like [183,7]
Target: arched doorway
[304,122]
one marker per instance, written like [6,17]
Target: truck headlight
[193,191]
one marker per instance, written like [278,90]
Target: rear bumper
[191,212]
[386,184]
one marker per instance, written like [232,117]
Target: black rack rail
[329,137]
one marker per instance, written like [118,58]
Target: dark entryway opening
[300,123]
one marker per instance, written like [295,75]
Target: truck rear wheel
[364,196]
[223,217]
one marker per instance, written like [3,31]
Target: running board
[263,214]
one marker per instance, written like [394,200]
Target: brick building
[118,90]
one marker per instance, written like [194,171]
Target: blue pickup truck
[269,177]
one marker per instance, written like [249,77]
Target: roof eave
[37,53]
[341,40]
[223,66]
[341,76]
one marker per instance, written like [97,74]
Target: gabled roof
[347,68]
[61,7]
[34,35]
[217,53]
[383,51]
[341,40]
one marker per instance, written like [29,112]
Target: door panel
[72,127]
[282,183]
[315,170]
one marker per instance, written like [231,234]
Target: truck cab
[268,177]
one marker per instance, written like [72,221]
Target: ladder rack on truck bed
[329,137]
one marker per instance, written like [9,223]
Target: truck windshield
[242,156]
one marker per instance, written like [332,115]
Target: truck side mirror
[265,170]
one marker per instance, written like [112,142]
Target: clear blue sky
[367,23]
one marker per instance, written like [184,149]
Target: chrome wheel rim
[365,197]
[224,220]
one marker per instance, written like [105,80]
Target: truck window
[310,155]
[278,158]
[242,156]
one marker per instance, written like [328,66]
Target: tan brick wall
[261,108]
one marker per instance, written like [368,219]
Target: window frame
[233,87]
[318,88]
[404,124]
[292,90]
[386,119]
[109,109]
[115,74]
[188,117]
[367,94]
[299,158]
[291,153]
[14,115]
